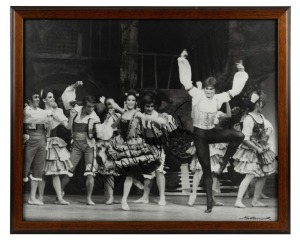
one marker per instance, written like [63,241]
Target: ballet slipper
[110,200]
[62,195]
[209,210]
[239,204]
[90,203]
[41,199]
[162,202]
[61,202]
[210,206]
[264,196]
[125,206]
[142,200]
[258,204]
[35,202]
[192,199]
[218,203]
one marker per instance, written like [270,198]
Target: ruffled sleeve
[68,96]
[58,117]
[185,72]
[196,94]
[239,80]
[222,98]
[248,125]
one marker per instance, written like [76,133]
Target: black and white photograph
[150,120]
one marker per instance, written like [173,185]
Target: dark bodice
[123,128]
[258,130]
[80,127]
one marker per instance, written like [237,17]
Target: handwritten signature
[161,141]
[253,218]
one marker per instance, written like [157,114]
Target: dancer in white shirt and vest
[205,105]
[85,124]
[35,121]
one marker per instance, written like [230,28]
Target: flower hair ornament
[262,97]
[254,97]
[41,93]
[132,92]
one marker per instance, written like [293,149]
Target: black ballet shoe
[209,210]
[209,207]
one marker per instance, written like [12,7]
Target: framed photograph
[150,120]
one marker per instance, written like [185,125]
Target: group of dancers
[130,141]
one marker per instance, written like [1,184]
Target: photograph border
[281,14]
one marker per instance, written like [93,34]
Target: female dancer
[153,134]
[254,157]
[216,151]
[205,105]
[107,166]
[129,151]
[58,157]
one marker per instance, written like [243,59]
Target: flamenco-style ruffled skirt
[119,157]
[58,157]
[247,161]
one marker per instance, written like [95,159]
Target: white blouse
[58,117]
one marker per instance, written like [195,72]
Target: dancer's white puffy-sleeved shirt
[204,109]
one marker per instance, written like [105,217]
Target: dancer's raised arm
[69,95]
[239,80]
[185,72]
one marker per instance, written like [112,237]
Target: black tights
[202,139]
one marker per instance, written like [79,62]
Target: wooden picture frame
[280,14]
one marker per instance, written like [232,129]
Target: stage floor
[175,210]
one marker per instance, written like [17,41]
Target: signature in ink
[253,218]
[172,131]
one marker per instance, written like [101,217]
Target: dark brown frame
[281,14]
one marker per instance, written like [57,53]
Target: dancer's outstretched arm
[69,95]
[157,120]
